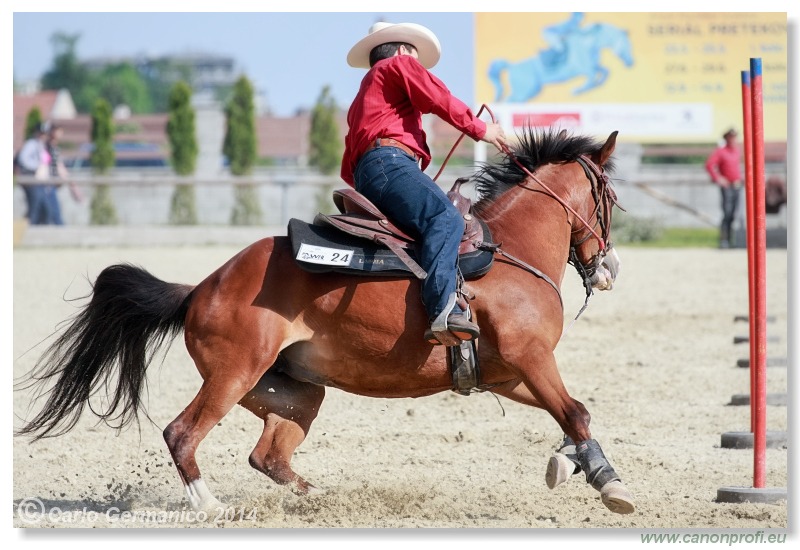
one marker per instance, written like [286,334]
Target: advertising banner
[655,77]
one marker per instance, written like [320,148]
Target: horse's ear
[606,150]
[562,135]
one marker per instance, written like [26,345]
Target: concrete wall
[683,196]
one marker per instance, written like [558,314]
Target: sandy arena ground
[653,360]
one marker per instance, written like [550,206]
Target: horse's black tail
[131,314]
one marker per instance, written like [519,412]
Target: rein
[604,198]
[508,152]
[495,249]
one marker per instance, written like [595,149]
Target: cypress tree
[183,147]
[181,130]
[240,137]
[32,121]
[241,149]
[102,207]
[324,143]
[102,137]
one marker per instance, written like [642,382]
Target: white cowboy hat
[426,43]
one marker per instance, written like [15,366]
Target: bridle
[600,181]
[604,198]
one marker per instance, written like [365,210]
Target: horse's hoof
[559,469]
[301,487]
[617,498]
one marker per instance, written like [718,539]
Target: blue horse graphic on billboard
[573,52]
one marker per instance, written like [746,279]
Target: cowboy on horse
[386,144]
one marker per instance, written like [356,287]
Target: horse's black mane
[535,148]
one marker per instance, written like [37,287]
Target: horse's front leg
[542,379]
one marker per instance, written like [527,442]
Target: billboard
[655,77]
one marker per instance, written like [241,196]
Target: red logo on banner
[538,120]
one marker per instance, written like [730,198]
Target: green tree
[240,144]
[181,129]
[66,72]
[240,147]
[102,137]
[32,121]
[183,147]
[121,84]
[324,142]
[102,207]
[160,75]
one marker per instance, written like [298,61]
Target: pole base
[743,339]
[746,318]
[767,495]
[774,399]
[744,440]
[771,362]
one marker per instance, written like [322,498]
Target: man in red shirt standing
[723,167]
[385,145]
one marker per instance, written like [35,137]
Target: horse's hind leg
[287,407]
[218,394]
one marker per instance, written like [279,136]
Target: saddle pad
[320,249]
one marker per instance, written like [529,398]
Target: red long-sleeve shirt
[724,161]
[394,95]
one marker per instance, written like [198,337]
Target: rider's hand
[495,135]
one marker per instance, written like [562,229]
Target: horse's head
[591,250]
[585,195]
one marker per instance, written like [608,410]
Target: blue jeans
[52,206]
[392,180]
[34,197]
[730,204]
[43,205]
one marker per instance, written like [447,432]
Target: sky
[288,56]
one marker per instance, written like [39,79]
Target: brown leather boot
[459,326]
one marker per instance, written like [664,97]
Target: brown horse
[270,336]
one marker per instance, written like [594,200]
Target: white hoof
[559,470]
[617,498]
[201,499]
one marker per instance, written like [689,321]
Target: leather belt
[390,142]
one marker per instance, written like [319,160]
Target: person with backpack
[34,160]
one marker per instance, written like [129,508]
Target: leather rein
[604,198]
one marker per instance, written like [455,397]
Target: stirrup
[439,333]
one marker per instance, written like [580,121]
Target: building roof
[53,104]
[283,138]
